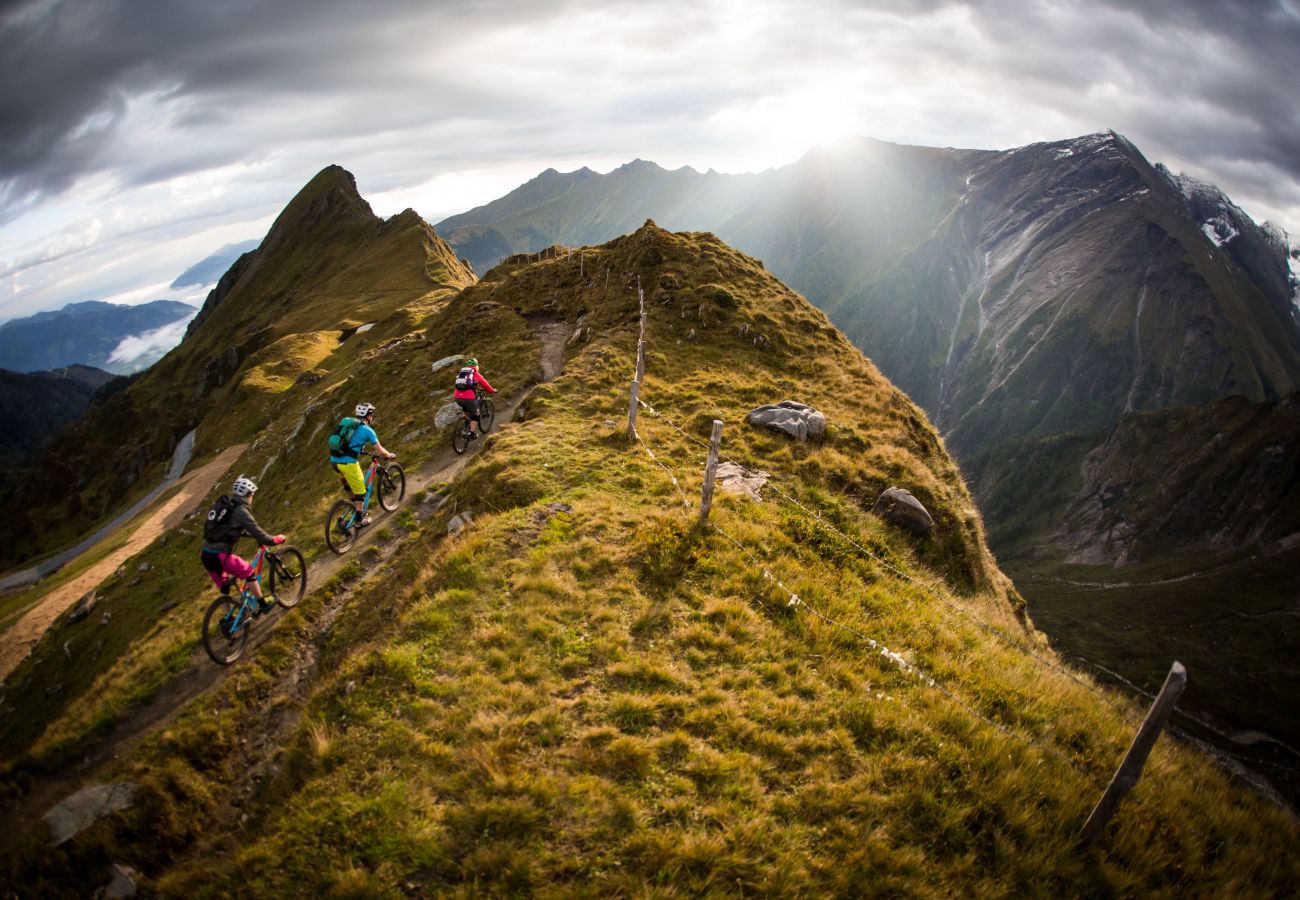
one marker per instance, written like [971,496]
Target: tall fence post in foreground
[640,360]
[1130,770]
[631,410]
[710,470]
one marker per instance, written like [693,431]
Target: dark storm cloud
[69,69]
[1206,80]
[146,90]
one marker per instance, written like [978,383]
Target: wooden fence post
[710,470]
[631,410]
[640,360]
[1130,770]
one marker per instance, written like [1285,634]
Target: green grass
[584,692]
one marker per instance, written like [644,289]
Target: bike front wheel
[288,580]
[485,414]
[225,630]
[460,436]
[392,486]
[340,531]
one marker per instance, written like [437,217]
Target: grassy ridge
[585,693]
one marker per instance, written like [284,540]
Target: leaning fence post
[1130,770]
[710,470]
[631,410]
[640,360]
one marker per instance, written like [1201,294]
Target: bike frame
[372,478]
[241,615]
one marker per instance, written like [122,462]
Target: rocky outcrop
[898,507]
[798,420]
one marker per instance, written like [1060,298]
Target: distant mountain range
[109,336]
[209,269]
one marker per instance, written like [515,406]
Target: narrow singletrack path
[17,641]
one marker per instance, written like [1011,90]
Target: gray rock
[734,479]
[122,884]
[459,521]
[86,807]
[445,362]
[446,415]
[897,507]
[83,607]
[795,419]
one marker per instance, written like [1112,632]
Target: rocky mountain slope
[542,674]
[81,334]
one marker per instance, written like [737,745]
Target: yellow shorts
[351,473]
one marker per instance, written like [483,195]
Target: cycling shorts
[470,407]
[221,564]
[352,477]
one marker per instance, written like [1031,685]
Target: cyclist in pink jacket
[467,380]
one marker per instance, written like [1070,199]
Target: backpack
[216,530]
[465,379]
[341,437]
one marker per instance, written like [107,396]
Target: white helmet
[243,487]
[365,409]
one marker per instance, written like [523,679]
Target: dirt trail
[202,674]
[17,641]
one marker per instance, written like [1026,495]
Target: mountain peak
[640,165]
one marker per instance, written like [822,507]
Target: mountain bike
[460,434]
[227,622]
[343,522]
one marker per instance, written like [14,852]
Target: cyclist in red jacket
[466,380]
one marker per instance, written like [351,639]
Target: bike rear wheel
[288,580]
[224,645]
[485,414]
[392,486]
[460,436]
[339,531]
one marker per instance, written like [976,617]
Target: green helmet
[471,361]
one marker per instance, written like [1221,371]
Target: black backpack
[465,379]
[216,530]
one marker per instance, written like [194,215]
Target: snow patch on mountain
[1219,230]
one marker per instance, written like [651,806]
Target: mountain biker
[466,379]
[345,460]
[218,555]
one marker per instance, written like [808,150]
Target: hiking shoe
[365,521]
[473,435]
[264,605]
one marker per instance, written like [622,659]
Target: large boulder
[897,507]
[796,419]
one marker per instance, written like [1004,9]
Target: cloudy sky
[138,136]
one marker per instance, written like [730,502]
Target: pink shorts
[221,564]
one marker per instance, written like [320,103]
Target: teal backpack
[341,437]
